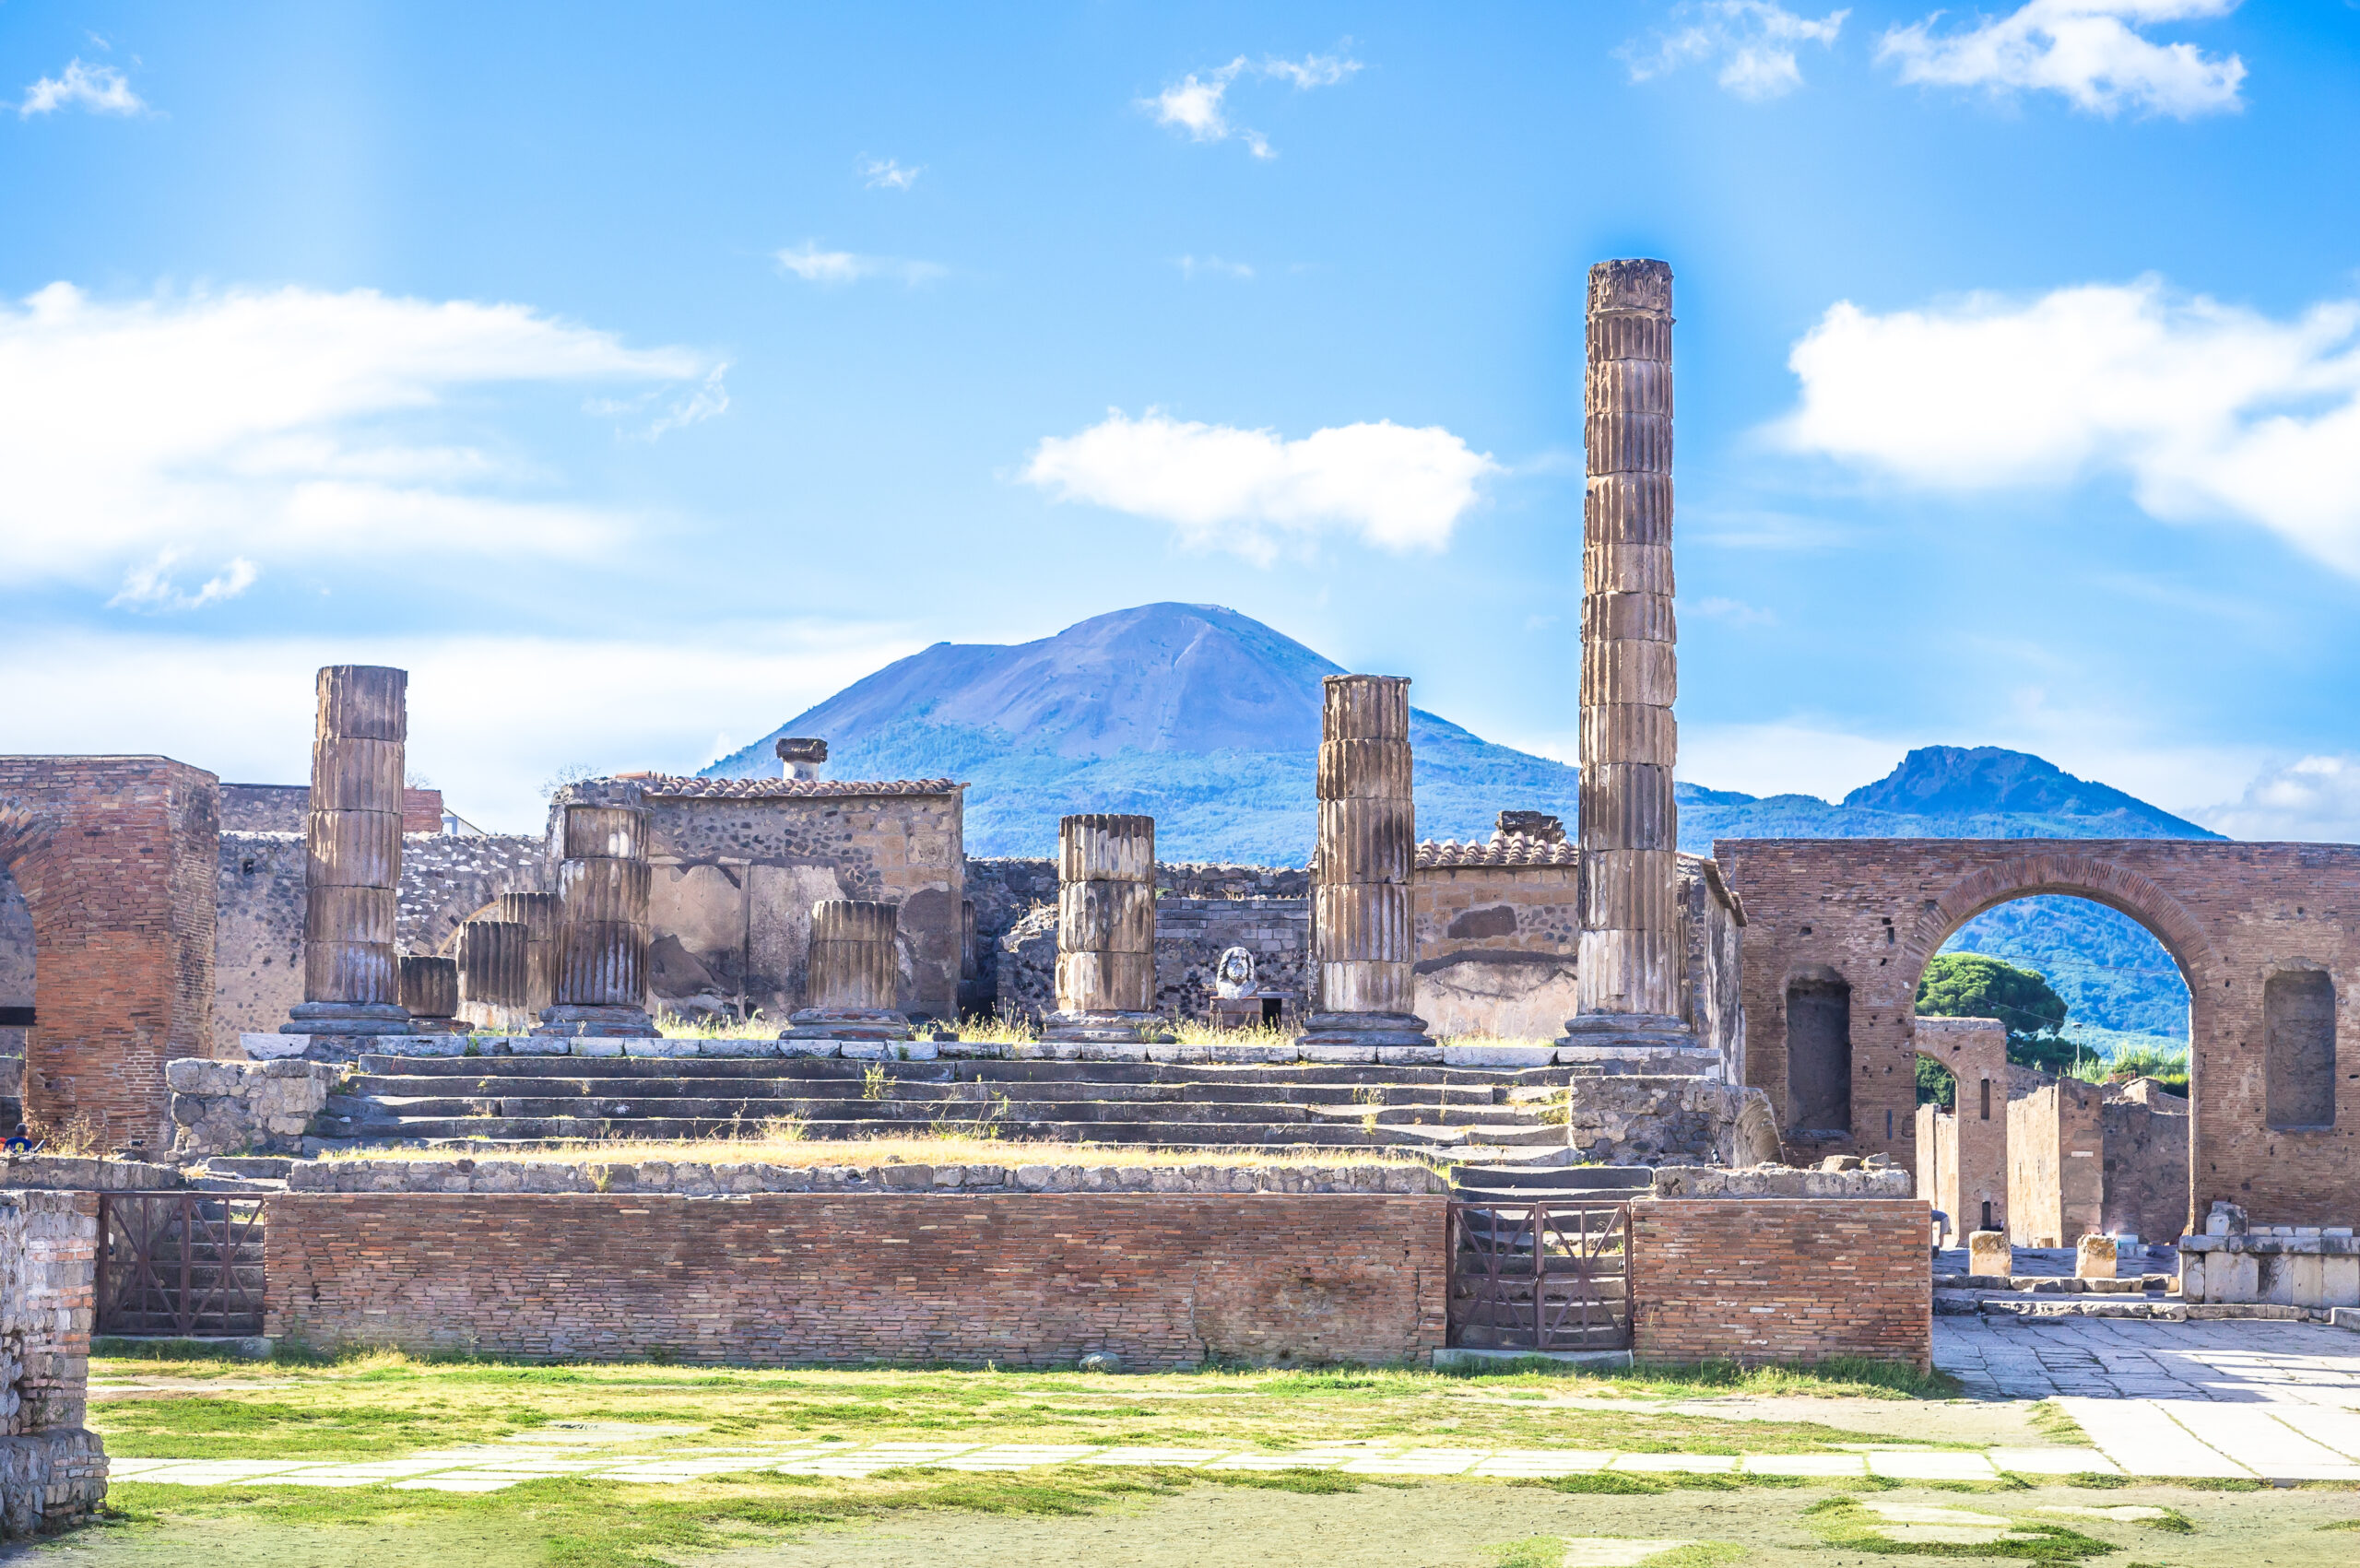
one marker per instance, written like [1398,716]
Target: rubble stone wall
[53,1472]
[1873,911]
[246,1107]
[258,931]
[2147,1166]
[1190,936]
[2056,1160]
[1781,1280]
[1029,1280]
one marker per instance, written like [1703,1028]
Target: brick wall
[1870,912]
[1780,1279]
[2056,1160]
[1969,1169]
[52,1470]
[116,857]
[2146,1163]
[1162,1279]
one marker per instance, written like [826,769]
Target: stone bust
[1234,975]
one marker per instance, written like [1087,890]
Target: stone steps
[991,1070]
[690,1087]
[510,1131]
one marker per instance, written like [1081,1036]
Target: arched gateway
[2268,934]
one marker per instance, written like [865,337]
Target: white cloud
[1753,40]
[1198,106]
[2316,799]
[2213,411]
[1213,267]
[284,423]
[886,174]
[2090,50]
[1736,612]
[150,587]
[815,265]
[1249,490]
[242,708]
[101,90]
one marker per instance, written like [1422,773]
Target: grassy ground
[382,1405]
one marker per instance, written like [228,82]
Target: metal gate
[179,1263]
[1540,1276]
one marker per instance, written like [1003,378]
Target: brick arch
[2053,874]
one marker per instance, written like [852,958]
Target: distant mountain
[1208,721]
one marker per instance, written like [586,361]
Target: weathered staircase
[524,1099]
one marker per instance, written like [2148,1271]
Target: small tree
[1978,986]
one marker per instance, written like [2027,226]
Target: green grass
[2049,1420]
[1849,1527]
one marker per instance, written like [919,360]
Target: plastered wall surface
[1870,912]
[739,862]
[1498,938]
[116,859]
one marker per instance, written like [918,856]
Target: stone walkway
[2239,1362]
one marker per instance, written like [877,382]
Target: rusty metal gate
[1543,1274]
[179,1263]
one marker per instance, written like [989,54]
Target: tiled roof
[673,787]
[1437,856]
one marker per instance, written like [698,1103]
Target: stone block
[1498,1054]
[1409,1055]
[540,1045]
[810,1047]
[594,1046]
[739,1047]
[1988,1251]
[662,1048]
[1256,1054]
[2340,1281]
[195,1074]
[2094,1258]
[2191,1277]
[416,1044]
[2232,1276]
[1342,1055]
[1109,1051]
[1046,1051]
[972,1050]
[268,1047]
[2305,1279]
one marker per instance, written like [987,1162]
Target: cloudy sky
[636,376]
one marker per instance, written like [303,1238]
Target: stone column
[353,860]
[602,947]
[431,992]
[495,958]
[543,917]
[1363,938]
[1105,931]
[855,974]
[1631,956]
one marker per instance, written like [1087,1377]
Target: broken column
[1105,931]
[494,958]
[353,856]
[855,974]
[431,992]
[602,947]
[542,917]
[1363,938]
[1631,945]
[799,757]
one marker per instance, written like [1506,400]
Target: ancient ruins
[1711,1052]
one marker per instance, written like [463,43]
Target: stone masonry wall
[258,940]
[246,1107]
[737,864]
[2056,1149]
[114,857]
[1781,1280]
[53,1472]
[1966,1166]
[1496,946]
[2145,1143]
[1031,1280]
[1870,912]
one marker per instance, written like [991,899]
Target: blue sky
[637,376]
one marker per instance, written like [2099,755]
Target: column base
[604,1021]
[1364,1029]
[348,1017]
[1649,1044]
[1106,1029]
[846,1024]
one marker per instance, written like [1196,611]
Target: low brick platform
[1163,1281]
[1782,1279]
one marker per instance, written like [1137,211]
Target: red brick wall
[1875,910]
[1781,1280]
[116,857]
[1031,1280]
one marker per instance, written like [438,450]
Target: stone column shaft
[543,917]
[431,989]
[1105,930]
[602,948]
[1632,948]
[854,975]
[353,855]
[1364,936]
[495,965]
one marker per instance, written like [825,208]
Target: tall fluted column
[1631,940]
[855,974]
[543,917]
[1362,935]
[495,958]
[602,949]
[353,860]
[1105,931]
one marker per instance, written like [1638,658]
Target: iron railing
[179,1263]
[1543,1274]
